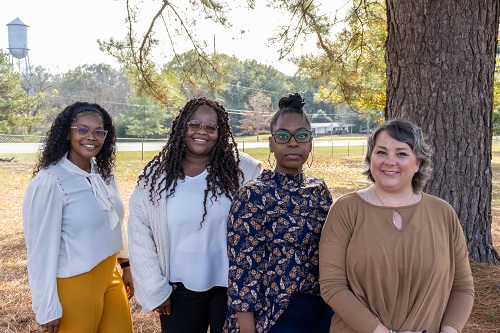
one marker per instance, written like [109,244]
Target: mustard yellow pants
[95,302]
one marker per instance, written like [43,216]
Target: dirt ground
[15,300]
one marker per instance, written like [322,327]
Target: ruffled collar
[104,193]
[290,179]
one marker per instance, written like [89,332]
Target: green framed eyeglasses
[301,136]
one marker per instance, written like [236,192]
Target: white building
[322,129]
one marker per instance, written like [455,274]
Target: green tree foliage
[192,77]
[171,20]
[15,105]
[351,68]
[496,99]
[235,82]
[46,108]
[99,83]
[145,118]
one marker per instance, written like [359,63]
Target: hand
[448,329]
[128,281]
[51,326]
[246,321]
[165,307]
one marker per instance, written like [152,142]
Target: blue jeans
[306,314]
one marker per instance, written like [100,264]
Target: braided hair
[56,142]
[165,169]
[293,103]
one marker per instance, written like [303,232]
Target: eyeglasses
[301,136]
[195,125]
[84,131]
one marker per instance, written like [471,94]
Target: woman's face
[291,156]
[393,163]
[200,137]
[86,139]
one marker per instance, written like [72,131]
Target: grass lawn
[340,169]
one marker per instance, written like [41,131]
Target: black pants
[195,311]
[305,314]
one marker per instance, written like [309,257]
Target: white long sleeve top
[149,243]
[70,220]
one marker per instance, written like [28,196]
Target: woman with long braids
[72,219]
[177,225]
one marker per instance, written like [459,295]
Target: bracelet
[125,264]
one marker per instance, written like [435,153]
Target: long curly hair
[165,169]
[56,142]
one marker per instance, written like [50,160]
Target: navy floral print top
[274,229]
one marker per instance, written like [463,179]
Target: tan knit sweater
[411,279]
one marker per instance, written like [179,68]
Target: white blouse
[69,219]
[198,253]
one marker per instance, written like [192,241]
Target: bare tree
[256,118]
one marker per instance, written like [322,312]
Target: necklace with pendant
[383,204]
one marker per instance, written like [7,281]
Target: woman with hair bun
[273,237]
[73,225]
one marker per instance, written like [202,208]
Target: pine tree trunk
[440,57]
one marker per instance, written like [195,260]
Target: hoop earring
[271,164]
[309,164]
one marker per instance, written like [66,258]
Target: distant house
[322,129]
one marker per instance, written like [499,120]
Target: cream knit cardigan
[148,240]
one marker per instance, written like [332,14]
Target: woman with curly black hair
[72,219]
[177,225]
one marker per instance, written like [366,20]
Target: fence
[11,144]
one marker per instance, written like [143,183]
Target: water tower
[18,48]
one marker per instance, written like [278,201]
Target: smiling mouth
[200,140]
[90,146]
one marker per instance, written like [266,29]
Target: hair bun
[295,101]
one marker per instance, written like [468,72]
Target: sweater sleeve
[246,251]
[251,167]
[461,298]
[333,280]
[42,222]
[152,287]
